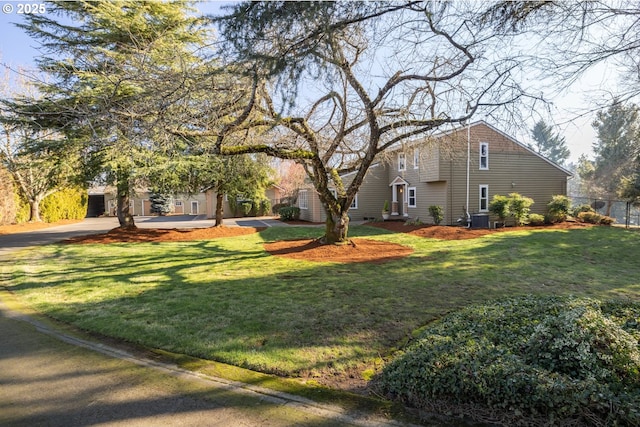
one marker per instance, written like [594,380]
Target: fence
[623,211]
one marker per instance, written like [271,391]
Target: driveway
[50,377]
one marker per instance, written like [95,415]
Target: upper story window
[303,201]
[402,162]
[484,155]
[416,158]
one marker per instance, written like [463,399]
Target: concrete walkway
[49,377]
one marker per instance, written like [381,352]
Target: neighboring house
[140,205]
[458,170]
[102,201]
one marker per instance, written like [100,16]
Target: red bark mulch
[358,250]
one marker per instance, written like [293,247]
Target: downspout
[468,167]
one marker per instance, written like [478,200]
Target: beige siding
[210,208]
[429,163]
[314,211]
[372,194]
[442,177]
[512,168]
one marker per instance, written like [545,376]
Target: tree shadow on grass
[247,308]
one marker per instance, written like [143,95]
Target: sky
[18,50]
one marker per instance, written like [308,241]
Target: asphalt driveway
[50,377]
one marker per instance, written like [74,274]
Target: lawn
[228,300]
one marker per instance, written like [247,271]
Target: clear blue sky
[18,50]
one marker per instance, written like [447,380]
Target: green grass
[228,300]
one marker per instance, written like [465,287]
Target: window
[303,202]
[412,198]
[484,198]
[354,203]
[484,155]
[178,203]
[402,162]
[416,158]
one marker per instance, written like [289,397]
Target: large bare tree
[338,84]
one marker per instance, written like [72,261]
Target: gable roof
[493,128]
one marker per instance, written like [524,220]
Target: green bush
[264,207]
[436,213]
[592,217]
[519,207]
[607,220]
[559,208]
[24,210]
[68,203]
[545,358]
[245,207]
[499,206]
[537,219]
[289,213]
[581,208]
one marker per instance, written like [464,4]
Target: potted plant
[385,210]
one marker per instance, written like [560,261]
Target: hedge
[68,203]
[559,360]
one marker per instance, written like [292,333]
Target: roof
[493,128]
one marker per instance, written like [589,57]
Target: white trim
[485,156]
[197,207]
[398,180]
[486,198]
[354,203]
[303,202]
[444,133]
[402,166]
[415,197]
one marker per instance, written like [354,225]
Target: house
[457,170]
[102,201]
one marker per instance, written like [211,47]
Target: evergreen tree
[616,149]
[161,203]
[110,65]
[549,144]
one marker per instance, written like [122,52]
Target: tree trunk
[336,228]
[34,210]
[219,209]
[122,207]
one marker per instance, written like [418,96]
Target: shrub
[536,219]
[607,220]
[9,201]
[545,358]
[289,213]
[68,203]
[590,217]
[559,208]
[278,206]
[499,206]
[436,213]
[265,207]
[581,208]
[519,207]
[245,207]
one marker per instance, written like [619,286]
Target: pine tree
[110,65]
[549,144]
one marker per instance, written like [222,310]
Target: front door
[400,198]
